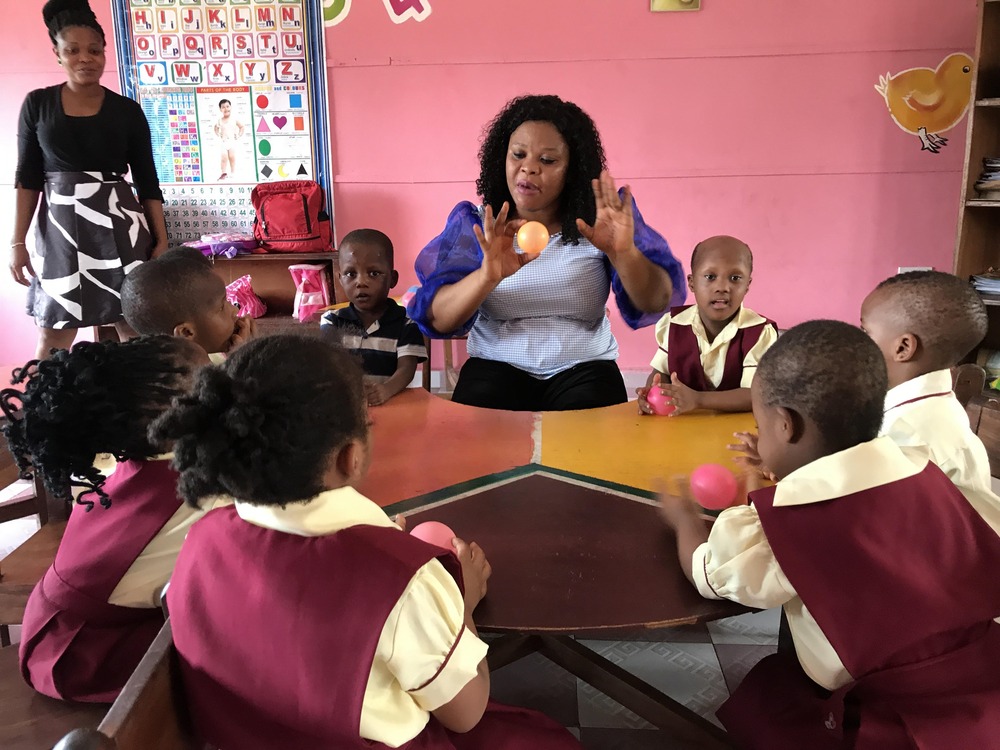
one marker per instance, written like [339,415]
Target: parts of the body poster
[225,88]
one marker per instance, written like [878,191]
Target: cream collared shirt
[917,414]
[412,673]
[142,583]
[713,354]
[737,562]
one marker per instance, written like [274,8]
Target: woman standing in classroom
[76,140]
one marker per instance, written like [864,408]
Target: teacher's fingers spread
[609,195]
[585,229]
[502,216]
[527,257]
[626,199]
[488,225]
[480,237]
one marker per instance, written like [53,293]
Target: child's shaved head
[831,373]
[942,310]
[721,241]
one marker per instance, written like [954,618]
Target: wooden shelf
[978,243]
[277,256]
[273,283]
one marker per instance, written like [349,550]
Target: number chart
[231,97]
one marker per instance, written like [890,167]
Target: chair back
[967,380]
[149,714]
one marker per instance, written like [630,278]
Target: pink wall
[756,119]
[29,65]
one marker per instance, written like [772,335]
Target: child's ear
[691,282]
[791,425]
[351,462]
[905,347]
[393,278]
[185,330]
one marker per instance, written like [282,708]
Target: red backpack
[291,217]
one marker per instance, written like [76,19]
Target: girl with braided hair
[539,335]
[302,615]
[96,610]
[76,140]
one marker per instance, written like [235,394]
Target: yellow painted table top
[616,444]
[424,444]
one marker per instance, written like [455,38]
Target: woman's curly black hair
[586,156]
[262,427]
[62,14]
[99,397]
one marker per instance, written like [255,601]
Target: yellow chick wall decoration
[928,102]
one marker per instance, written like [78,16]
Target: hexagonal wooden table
[568,559]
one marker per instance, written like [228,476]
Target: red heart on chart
[280,121]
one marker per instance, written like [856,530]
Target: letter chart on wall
[230,95]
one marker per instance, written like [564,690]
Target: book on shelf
[987,282]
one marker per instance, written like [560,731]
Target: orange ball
[533,237]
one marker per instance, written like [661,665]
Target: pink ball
[434,532]
[659,402]
[713,486]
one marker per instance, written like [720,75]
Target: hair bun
[53,8]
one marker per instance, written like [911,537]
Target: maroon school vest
[277,633]
[906,592]
[74,644]
[684,357]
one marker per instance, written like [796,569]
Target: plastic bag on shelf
[241,294]
[312,290]
[226,244]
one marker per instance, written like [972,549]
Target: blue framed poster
[235,94]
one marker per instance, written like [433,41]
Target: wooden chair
[967,380]
[449,375]
[22,569]
[150,713]
[31,501]
[984,416]
[31,720]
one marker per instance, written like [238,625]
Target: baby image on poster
[226,136]
[229,130]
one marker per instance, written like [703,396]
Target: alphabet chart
[230,90]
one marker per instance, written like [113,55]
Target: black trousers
[497,385]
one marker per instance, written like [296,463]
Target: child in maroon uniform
[303,616]
[94,613]
[707,353]
[886,573]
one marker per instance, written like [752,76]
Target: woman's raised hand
[496,238]
[614,228]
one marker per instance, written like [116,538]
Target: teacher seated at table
[539,335]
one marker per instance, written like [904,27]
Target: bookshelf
[978,243]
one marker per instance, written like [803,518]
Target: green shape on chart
[334,9]
[264,147]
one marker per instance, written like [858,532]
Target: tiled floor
[697,666]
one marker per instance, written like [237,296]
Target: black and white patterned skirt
[90,233]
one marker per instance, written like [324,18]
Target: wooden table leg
[510,648]
[645,700]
